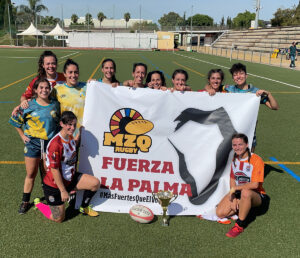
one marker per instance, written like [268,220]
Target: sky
[154,9]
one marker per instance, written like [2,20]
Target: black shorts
[262,196]
[53,196]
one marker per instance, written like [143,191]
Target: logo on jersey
[53,114]
[72,160]
[242,178]
[54,154]
[127,132]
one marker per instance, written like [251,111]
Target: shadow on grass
[269,169]
[259,211]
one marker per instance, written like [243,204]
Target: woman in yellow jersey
[71,94]
[246,179]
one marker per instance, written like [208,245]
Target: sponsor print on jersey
[127,132]
[241,177]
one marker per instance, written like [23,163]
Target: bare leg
[88,182]
[31,165]
[226,207]
[249,199]
[57,213]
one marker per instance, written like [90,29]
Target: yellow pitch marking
[190,69]
[34,74]
[96,69]
[13,83]
[283,162]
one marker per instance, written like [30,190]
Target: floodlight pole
[37,36]
[88,27]
[257,8]
[192,30]
[140,27]
[62,24]
[9,23]
[114,33]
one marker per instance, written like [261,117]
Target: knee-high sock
[87,196]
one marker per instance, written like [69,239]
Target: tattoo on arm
[55,212]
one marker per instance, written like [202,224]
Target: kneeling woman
[246,191]
[62,176]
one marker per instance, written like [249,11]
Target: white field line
[254,75]
[74,53]
[24,57]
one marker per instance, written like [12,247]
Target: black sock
[241,223]
[26,197]
[87,196]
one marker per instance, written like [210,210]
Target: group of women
[53,99]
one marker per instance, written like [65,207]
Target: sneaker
[88,211]
[35,202]
[224,221]
[234,217]
[24,207]
[235,231]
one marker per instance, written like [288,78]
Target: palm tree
[89,19]
[33,9]
[74,18]
[101,17]
[126,18]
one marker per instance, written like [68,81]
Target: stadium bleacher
[264,40]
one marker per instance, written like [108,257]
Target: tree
[229,22]
[243,20]
[127,18]
[89,19]
[201,20]
[144,26]
[283,17]
[33,9]
[101,17]
[222,22]
[4,21]
[171,19]
[49,20]
[74,18]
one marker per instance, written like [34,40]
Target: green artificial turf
[273,234]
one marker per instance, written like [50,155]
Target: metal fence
[269,58]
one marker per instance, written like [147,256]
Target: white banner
[139,141]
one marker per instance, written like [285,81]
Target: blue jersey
[38,121]
[251,89]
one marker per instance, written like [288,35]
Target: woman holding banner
[215,78]
[109,72]
[246,179]
[138,73]
[156,80]
[179,79]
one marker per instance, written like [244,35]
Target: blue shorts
[35,147]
